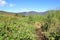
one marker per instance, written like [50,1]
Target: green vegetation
[52,25]
[21,27]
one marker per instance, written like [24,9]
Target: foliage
[52,25]
[21,27]
[13,29]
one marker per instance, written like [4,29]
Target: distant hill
[33,13]
[28,13]
[24,13]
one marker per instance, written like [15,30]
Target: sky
[28,5]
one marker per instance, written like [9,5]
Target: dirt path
[40,35]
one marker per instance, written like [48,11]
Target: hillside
[35,26]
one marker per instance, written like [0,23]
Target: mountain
[24,13]
[33,13]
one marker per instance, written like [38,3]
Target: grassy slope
[23,27]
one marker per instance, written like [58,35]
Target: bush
[13,29]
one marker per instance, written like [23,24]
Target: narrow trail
[39,34]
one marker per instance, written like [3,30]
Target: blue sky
[28,5]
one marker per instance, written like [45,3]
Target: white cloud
[24,10]
[3,3]
[28,9]
[11,5]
